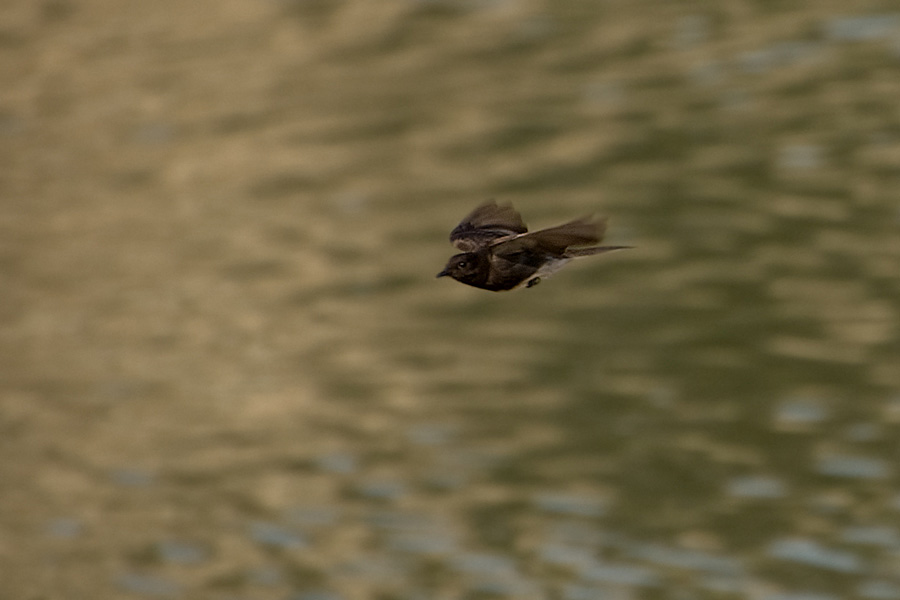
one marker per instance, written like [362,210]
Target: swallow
[498,253]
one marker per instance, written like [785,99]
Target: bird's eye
[461,264]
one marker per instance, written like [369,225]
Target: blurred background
[227,370]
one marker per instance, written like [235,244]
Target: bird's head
[465,267]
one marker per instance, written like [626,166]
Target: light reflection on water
[242,379]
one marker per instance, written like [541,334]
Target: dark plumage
[499,254]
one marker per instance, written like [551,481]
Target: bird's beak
[443,273]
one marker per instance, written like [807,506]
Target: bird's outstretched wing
[554,241]
[486,224]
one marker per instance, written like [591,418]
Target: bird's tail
[576,252]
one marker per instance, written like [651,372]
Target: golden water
[227,370]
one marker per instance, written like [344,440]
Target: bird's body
[498,252]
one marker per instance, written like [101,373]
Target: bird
[498,253]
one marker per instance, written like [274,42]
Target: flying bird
[498,253]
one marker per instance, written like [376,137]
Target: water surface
[228,371]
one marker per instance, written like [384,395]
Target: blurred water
[229,372]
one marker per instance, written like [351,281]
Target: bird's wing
[553,241]
[486,224]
